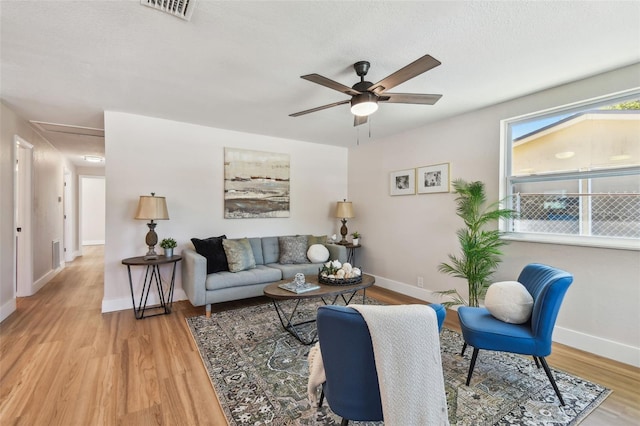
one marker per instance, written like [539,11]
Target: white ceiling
[236,64]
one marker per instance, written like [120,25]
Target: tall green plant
[479,247]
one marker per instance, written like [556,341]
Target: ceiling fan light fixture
[364,104]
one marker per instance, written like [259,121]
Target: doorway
[92,208]
[23,196]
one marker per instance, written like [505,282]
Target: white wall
[405,237]
[47,180]
[92,209]
[184,163]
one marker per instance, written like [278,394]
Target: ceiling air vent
[180,8]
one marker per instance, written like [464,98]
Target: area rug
[259,372]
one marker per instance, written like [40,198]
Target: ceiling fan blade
[320,108]
[415,68]
[409,98]
[326,82]
[358,120]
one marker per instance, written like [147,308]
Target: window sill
[571,240]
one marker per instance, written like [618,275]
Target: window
[573,173]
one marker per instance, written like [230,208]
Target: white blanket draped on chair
[406,347]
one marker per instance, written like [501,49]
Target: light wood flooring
[63,362]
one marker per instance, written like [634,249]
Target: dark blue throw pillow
[211,248]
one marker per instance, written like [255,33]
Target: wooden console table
[152,275]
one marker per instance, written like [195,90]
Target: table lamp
[152,208]
[344,211]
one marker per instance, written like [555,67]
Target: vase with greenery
[479,243]
[356,238]
[168,244]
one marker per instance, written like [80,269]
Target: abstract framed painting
[402,182]
[432,179]
[256,184]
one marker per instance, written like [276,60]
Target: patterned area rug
[259,372]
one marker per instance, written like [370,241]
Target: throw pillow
[509,301]
[318,253]
[239,254]
[293,249]
[318,239]
[211,248]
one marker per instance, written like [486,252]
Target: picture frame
[434,178]
[256,184]
[402,182]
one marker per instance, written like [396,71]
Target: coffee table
[329,294]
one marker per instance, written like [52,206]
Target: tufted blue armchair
[547,285]
[351,386]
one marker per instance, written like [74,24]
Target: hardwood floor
[62,362]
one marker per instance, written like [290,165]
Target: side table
[351,255]
[151,276]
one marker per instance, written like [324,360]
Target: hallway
[62,362]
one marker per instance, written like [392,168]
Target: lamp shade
[344,210]
[151,207]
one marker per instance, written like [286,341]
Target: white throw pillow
[509,301]
[318,253]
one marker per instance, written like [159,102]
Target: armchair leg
[535,358]
[464,348]
[344,422]
[472,365]
[321,398]
[551,379]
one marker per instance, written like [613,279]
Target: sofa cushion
[293,249]
[211,248]
[256,247]
[290,270]
[318,253]
[258,275]
[318,239]
[239,254]
[509,301]
[270,250]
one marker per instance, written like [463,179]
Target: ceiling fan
[366,95]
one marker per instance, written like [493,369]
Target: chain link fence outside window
[595,214]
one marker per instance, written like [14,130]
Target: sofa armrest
[194,276]
[336,251]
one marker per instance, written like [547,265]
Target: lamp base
[343,232]
[151,254]
[151,240]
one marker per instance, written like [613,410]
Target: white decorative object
[509,301]
[318,253]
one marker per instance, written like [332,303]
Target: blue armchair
[547,286]
[351,386]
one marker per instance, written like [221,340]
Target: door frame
[23,200]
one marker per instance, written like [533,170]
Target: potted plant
[356,238]
[480,254]
[168,244]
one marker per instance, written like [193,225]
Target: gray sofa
[203,289]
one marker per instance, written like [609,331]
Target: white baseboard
[575,339]
[72,256]
[44,280]
[93,243]
[409,290]
[123,304]
[7,309]
[597,345]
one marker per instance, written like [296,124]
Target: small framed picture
[433,178]
[402,182]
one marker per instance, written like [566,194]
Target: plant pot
[356,241]
[168,252]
